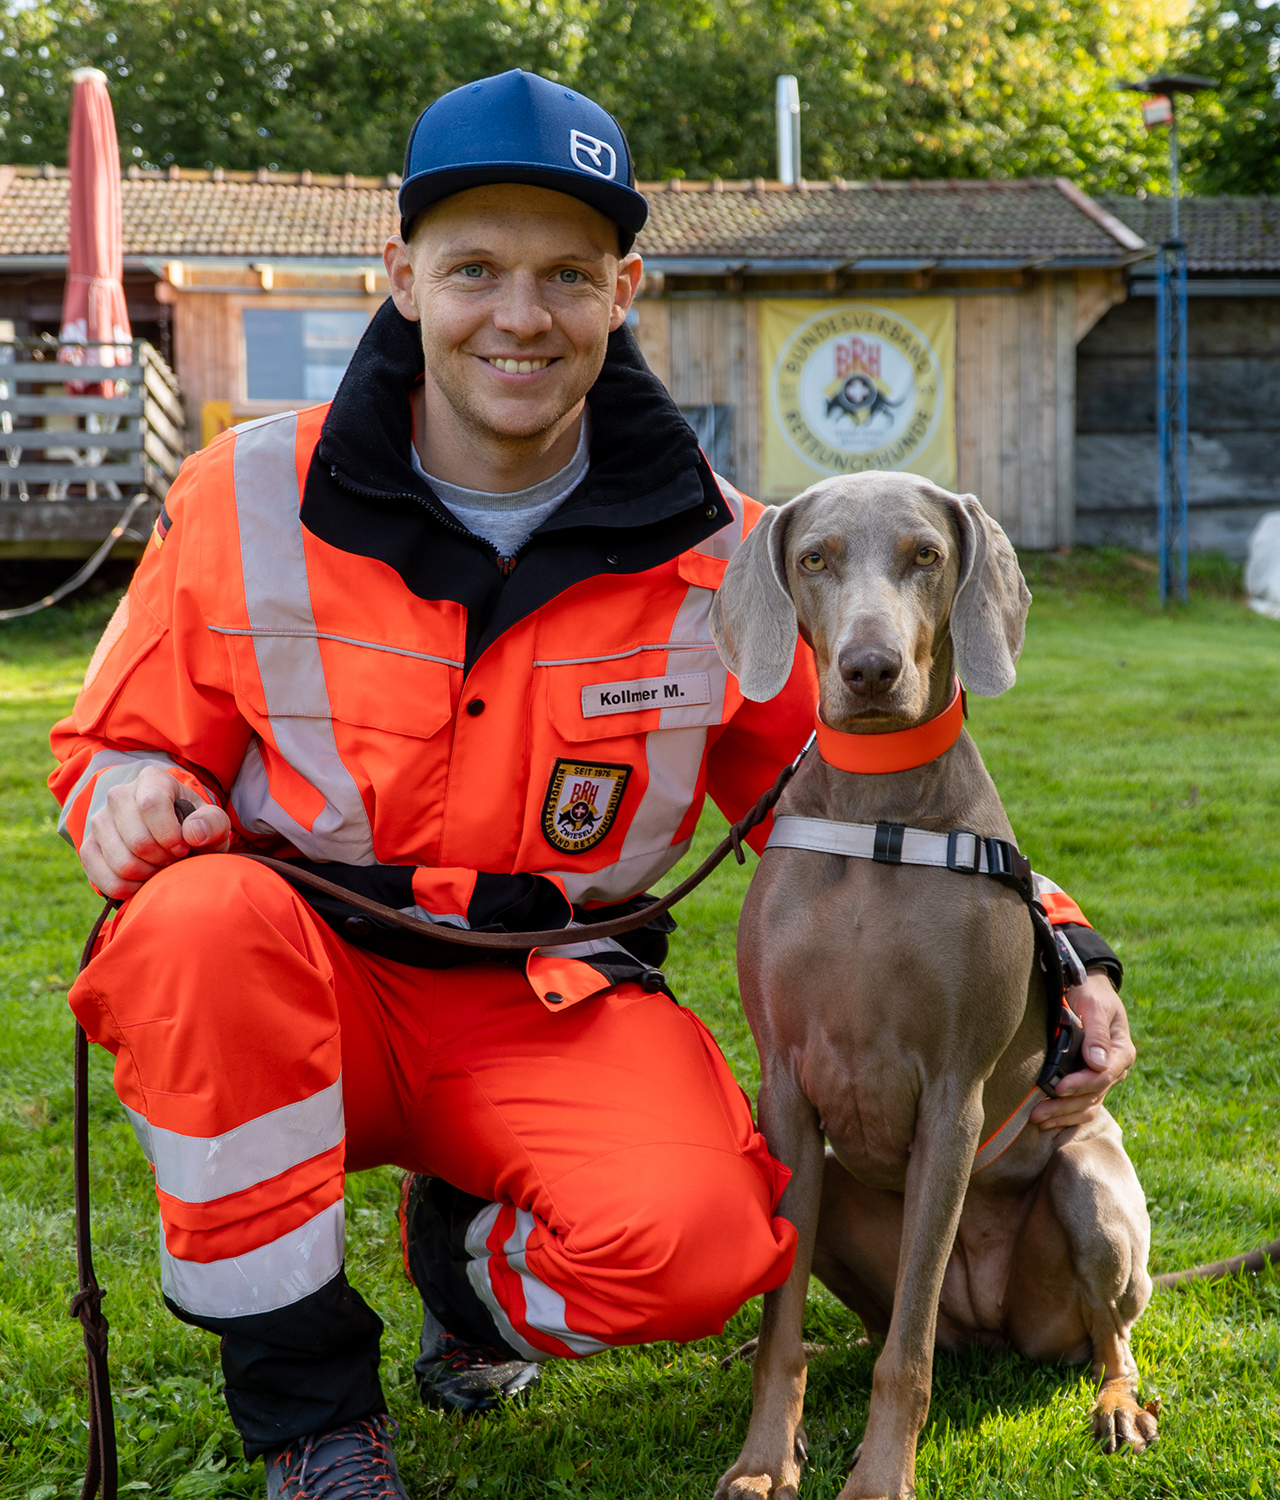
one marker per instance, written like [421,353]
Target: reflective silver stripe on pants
[478,1232]
[544,1307]
[275,1275]
[278,599]
[200,1168]
[118,767]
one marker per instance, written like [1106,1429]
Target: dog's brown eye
[926,557]
[812,562]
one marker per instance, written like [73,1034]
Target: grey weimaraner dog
[895,1008]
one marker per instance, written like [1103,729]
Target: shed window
[714,428]
[296,354]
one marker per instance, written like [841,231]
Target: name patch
[645,692]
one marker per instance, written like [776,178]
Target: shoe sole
[440,1401]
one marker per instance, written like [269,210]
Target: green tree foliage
[891,88]
[1234,134]
[268,83]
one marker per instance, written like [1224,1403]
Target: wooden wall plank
[1009,405]
[749,430]
[653,333]
[1040,423]
[990,388]
[1066,323]
[731,383]
[967,401]
[1097,292]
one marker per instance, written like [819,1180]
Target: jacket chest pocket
[314,676]
[619,697]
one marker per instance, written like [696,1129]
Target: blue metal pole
[1179,454]
[1162,418]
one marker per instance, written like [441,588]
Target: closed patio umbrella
[93,305]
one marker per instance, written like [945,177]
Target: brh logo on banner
[854,386]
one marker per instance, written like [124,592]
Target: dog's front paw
[751,1479]
[1119,1421]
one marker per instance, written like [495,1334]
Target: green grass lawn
[1138,759]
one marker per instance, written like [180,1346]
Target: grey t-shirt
[508,521]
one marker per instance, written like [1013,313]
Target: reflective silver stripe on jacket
[275,1275]
[673,758]
[674,752]
[118,767]
[278,602]
[725,542]
[199,1168]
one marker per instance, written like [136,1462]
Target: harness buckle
[888,843]
[953,862]
[1063,1055]
[1007,864]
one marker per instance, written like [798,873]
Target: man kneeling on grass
[445,641]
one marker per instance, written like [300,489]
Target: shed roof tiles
[1221,234]
[241,214]
[1024,221]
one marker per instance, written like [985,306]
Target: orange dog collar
[901,750]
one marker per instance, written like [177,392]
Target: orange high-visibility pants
[260,1058]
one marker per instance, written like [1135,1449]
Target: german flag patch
[161,528]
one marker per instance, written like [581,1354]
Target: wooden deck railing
[69,463]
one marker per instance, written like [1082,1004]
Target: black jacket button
[553,998]
[476,707]
[359,925]
[612,559]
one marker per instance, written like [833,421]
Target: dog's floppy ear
[989,613]
[753,618]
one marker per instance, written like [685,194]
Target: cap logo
[593,155]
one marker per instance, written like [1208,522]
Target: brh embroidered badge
[581,804]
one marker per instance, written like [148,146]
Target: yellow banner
[850,386]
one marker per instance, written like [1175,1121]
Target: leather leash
[101,1466]
[555,937]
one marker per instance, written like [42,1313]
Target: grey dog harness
[966,853]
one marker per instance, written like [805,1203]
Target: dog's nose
[870,669]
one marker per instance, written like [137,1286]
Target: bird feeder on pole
[1158,113]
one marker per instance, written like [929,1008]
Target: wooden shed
[805,330]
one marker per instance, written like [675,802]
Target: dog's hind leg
[768,1468]
[1079,1280]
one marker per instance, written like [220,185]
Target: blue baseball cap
[519,127]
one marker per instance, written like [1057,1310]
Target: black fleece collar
[648,496]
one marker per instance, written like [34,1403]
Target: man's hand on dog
[1108,1055]
[137,833]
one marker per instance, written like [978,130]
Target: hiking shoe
[454,1375]
[465,1365]
[352,1462]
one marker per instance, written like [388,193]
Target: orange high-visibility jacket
[313,643]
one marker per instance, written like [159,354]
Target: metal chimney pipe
[788,112]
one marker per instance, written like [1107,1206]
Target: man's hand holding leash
[137,833]
[1108,1051]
